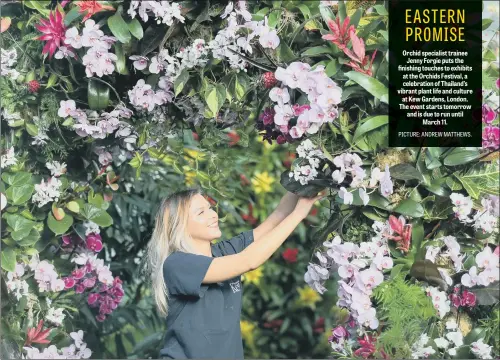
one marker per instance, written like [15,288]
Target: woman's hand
[304,205]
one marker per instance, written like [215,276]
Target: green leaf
[396,270]
[417,236]
[152,39]
[73,14]
[460,156]
[215,97]
[332,68]
[180,81]
[381,10]
[52,81]
[354,20]
[326,13]
[121,64]
[373,86]
[31,239]
[370,124]
[119,28]
[21,226]
[59,227]
[436,209]
[488,295]
[285,54]
[304,9]
[32,129]
[40,6]
[99,216]
[342,11]
[16,179]
[437,186]
[410,207]
[8,259]
[238,85]
[453,184]
[259,15]
[426,270]
[317,50]
[73,206]
[405,172]
[480,179]
[135,28]
[486,23]
[98,95]
[18,195]
[432,155]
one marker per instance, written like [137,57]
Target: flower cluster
[485,220]
[322,92]
[384,177]
[78,350]
[98,60]
[46,275]
[163,11]
[15,283]
[143,97]
[56,168]
[480,349]
[8,60]
[452,253]
[488,261]
[9,158]
[340,339]
[491,134]
[94,275]
[93,243]
[46,192]
[305,173]
[90,123]
[361,271]
[419,350]
[463,299]
[227,43]
[54,315]
[439,300]
[452,340]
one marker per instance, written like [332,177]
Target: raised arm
[285,207]
[255,254]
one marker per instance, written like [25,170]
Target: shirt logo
[235,286]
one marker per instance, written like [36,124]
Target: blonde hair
[170,234]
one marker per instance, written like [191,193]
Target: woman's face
[203,221]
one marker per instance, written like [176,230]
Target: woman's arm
[284,208]
[255,254]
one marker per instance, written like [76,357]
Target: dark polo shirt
[203,319]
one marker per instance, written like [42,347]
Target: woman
[197,284]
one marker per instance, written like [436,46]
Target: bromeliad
[402,231]
[37,336]
[53,30]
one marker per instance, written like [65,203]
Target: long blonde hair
[170,234]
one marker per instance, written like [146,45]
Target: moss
[392,157]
